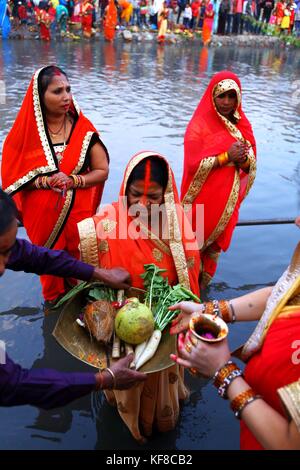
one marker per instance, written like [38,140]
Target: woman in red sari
[44,20]
[119,236]
[267,397]
[55,166]
[208,23]
[219,165]
[110,21]
[86,13]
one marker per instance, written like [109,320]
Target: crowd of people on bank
[221,17]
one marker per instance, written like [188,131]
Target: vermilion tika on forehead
[147,181]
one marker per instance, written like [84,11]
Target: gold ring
[188,347]
[193,340]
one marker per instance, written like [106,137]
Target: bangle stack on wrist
[242,400]
[212,308]
[223,158]
[222,308]
[78,181]
[42,182]
[225,376]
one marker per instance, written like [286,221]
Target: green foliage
[95,291]
[160,295]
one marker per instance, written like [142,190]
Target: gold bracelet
[223,159]
[37,182]
[113,376]
[45,184]
[75,180]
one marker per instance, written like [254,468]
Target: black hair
[8,212]
[159,171]
[46,76]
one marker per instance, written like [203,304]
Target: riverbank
[178,36]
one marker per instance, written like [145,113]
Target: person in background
[62,16]
[48,388]
[110,21]
[55,165]
[216,6]
[268,7]
[187,16]
[266,396]
[163,23]
[208,24]
[181,8]
[195,13]
[219,159]
[223,13]
[86,13]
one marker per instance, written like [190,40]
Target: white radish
[150,349]
[116,349]
[139,349]
[128,349]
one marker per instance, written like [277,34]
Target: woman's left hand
[207,358]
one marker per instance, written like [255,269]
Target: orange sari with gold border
[29,153]
[104,242]
[221,190]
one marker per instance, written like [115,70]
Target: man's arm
[45,388]
[48,388]
[39,260]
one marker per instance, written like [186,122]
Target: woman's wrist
[78,181]
[42,182]
[223,159]
[105,380]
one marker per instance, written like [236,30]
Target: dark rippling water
[141,96]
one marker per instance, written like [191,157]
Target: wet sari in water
[155,403]
[220,190]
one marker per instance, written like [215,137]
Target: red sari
[110,21]
[87,18]
[272,368]
[50,219]
[272,351]
[221,190]
[103,242]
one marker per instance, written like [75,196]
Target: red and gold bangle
[223,159]
[225,310]
[212,308]
[242,400]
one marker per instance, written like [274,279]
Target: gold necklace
[59,130]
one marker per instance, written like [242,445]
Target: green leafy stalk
[160,295]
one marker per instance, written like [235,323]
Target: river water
[141,96]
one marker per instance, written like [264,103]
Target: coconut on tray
[135,323]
